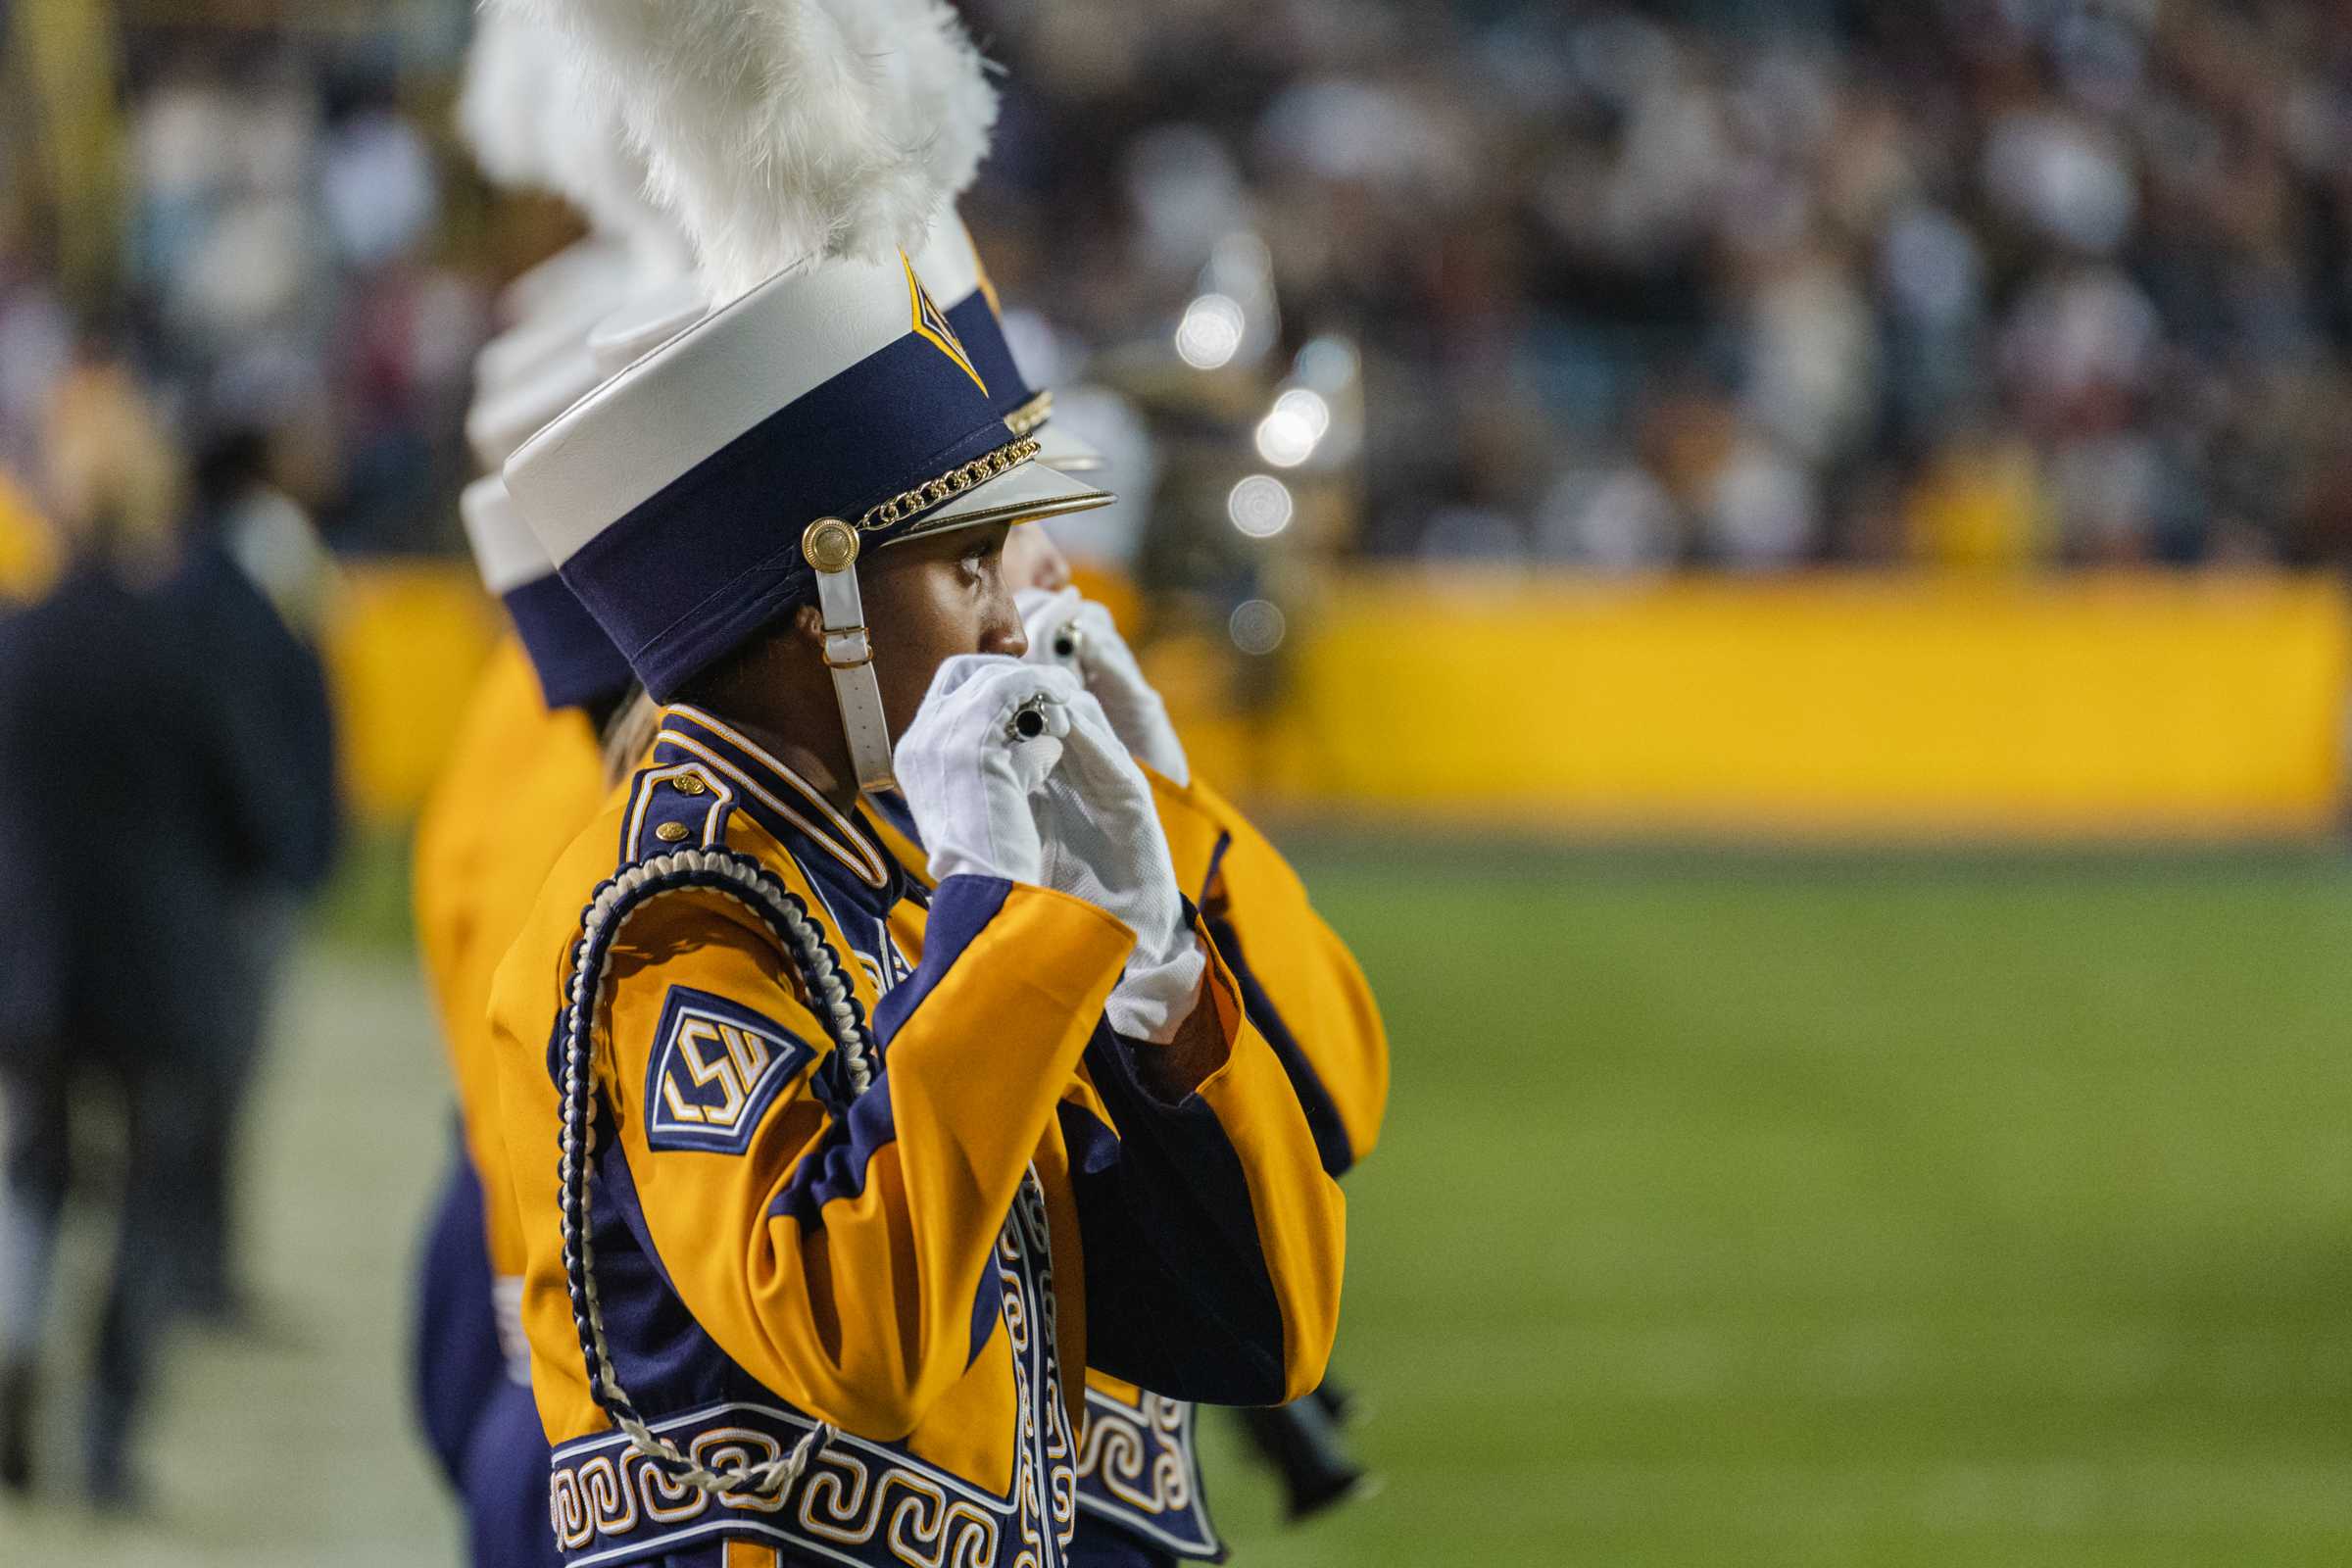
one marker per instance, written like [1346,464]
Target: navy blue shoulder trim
[676,806]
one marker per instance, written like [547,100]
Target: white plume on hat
[946,103]
[594,166]
[532,121]
[512,76]
[501,108]
[782,131]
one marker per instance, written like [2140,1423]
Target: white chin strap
[830,546]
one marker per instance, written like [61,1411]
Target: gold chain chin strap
[953,483]
[1025,419]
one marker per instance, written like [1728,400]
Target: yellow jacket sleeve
[1215,1238]
[519,783]
[1299,983]
[837,1256]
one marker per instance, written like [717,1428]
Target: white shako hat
[646,322]
[576,662]
[742,468]
[505,415]
[949,265]
[592,264]
[533,122]
[824,408]
[561,318]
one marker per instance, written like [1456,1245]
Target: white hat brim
[1066,450]
[1022,495]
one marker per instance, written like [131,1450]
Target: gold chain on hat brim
[1024,420]
[948,485]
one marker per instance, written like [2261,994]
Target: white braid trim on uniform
[747,882]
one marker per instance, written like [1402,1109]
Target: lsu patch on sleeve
[716,1067]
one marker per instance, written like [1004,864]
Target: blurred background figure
[258,582]
[142,816]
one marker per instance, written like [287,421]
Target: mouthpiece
[1029,720]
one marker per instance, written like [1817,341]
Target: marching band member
[1140,1494]
[849,1173]
[1138,1475]
[1140,1488]
[1304,991]
[525,774]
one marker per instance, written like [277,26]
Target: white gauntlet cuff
[1155,997]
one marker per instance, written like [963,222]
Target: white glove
[968,780]
[1068,629]
[1067,809]
[1101,840]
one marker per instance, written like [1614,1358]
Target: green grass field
[1733,1209]
[1850,1211]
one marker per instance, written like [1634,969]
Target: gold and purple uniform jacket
[1138,1468]
[917,1263]
[519,783]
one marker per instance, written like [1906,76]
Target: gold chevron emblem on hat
[931,324]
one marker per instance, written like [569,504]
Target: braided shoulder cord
[749,883]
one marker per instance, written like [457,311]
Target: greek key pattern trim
[1138,1469]
[857,1503]
[1045,1477]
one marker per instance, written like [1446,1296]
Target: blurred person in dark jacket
[254,575]
[136,803]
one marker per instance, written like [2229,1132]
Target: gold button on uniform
[689,784]
[672,832]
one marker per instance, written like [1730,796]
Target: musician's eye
[984,555]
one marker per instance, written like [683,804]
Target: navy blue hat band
[576,662]
[696,569]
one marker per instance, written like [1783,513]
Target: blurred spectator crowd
[1754,284]
[282,276]
[1744,284]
